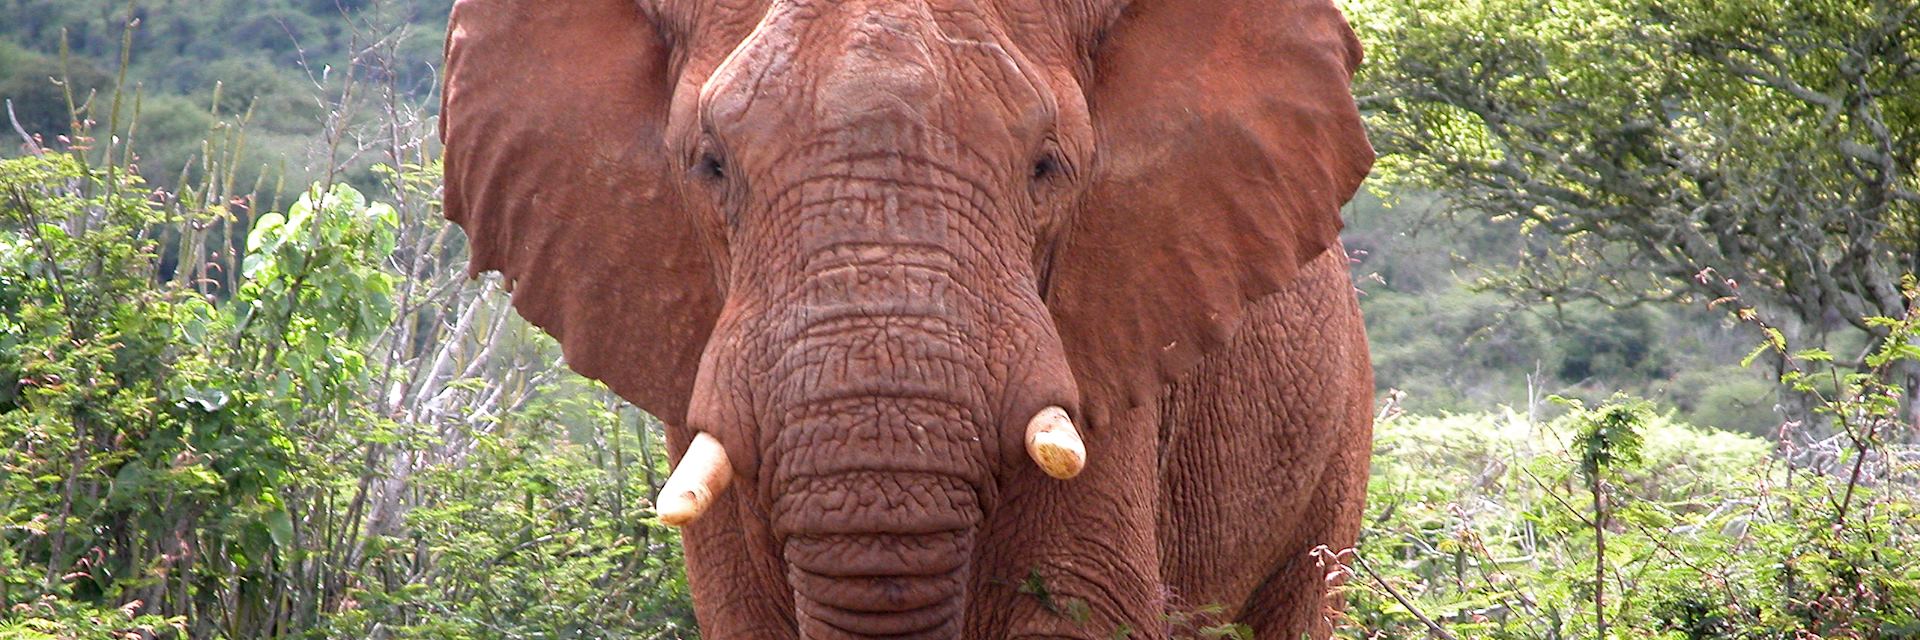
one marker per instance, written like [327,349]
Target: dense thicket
[353,442]
[1610,522]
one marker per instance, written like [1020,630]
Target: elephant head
[883,263]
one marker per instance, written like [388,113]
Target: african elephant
[969,318]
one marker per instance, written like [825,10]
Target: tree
[1758,154]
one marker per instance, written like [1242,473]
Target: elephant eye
[1046,167]
[711,167]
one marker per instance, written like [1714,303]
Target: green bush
[1730,397]
[291,457]
[1455,350]
[28,79]
[1484,526]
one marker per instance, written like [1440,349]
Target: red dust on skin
[939,297]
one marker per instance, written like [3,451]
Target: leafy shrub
[1452,350]
[39,104]
[1728,397]
[1484,526]
[319,449]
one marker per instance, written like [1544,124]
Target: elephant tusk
[702,474]
[1055,445]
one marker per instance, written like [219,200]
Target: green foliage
[182,42]
[233,419]
[102,392]
[275,61]
[314,293]
[1754,156]
[56,619]
[198,467]
[39,104]
[1608,438]
[1484,526]
[1455,349]
[535,539]
[1444,333]
[1727,397]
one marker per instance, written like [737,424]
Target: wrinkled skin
[861,243]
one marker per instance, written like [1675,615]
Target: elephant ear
[553,120]
[1228,141]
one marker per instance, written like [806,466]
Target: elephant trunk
[896,360]
[879,523]
[873,585]
[880,464]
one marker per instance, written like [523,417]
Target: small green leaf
[280,525]
[266,229]
[1813,355]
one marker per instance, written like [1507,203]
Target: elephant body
[968,318]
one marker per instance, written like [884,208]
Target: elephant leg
[1293,601]
[1087,570]
[1264,457]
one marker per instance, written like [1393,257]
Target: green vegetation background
[317,426]
[285,61]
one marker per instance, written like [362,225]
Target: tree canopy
[1759,154]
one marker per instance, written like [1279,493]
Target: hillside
[278,59]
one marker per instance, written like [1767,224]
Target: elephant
[966,318]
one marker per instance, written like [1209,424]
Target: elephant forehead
[1052,31]
[1057,31]
[939,65]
